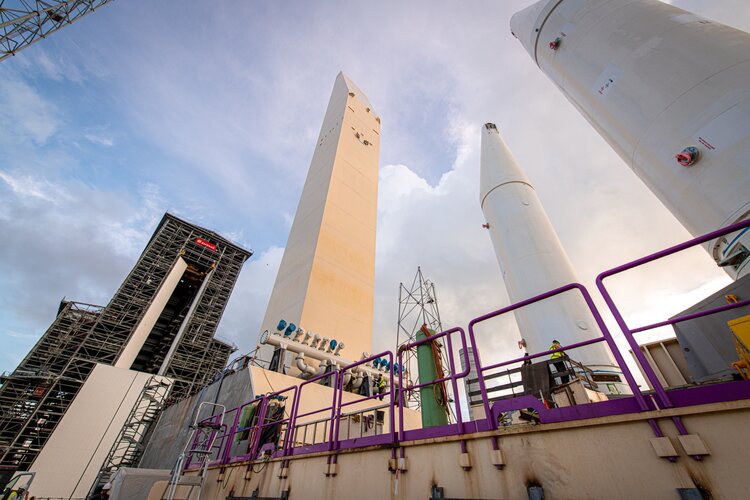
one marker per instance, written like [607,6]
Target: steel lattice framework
[23,22]
[417,306]
[34,398]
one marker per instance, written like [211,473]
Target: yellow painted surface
[326,279]
[741,328]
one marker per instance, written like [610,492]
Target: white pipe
[323,344]
[338,349]
[359,377]
[306,339]
[277,340]
[314,341]
[298,334]
[307,370]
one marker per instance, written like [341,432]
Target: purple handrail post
[662,397]
[661,394]
[613,348]
[453,376]
[391,405]
[258,428]
[606,337]
[333,433]
[400,395]
[228,445]
[289,438]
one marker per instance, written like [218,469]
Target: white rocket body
[533,260]
[654,79]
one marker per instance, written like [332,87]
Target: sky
[210,110]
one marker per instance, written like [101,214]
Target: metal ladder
[178,478]
[129,445]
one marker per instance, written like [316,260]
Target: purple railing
[606,337]
[662,398]
[221,437]
[389,437]
[209,438]
[326,446]
[252,430]
[452,376]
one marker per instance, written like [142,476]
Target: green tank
[433,407]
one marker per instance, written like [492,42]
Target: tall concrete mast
[327,275]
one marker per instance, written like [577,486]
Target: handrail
[298,399]
[340,389]
[606,337]
[453,376]
[662,398]
[287,447]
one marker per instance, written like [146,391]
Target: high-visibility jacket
[381,382]
[558,354]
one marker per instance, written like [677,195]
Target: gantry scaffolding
[34,398]
[417,306]
[23,22]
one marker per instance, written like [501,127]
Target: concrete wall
[609,457]
[171,432]
[71,459]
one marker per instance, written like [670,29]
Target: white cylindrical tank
[655,80]
[533,260]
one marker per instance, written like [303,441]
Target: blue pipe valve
[290,329]
[281,325]
[333,343]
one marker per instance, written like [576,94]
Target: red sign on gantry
[205,243]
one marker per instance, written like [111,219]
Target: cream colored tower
[327,275]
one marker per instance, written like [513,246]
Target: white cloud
[25,187]
[26,111]
[100,140]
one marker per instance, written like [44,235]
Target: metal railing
[288,441]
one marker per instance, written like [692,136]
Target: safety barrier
[452,376]
[526,401]
[220,437]
[662,397]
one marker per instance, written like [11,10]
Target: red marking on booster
[706,143]
[205,243]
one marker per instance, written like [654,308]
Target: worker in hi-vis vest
[381,386]
[558,359]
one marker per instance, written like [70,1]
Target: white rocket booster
[669,91]
[532,258]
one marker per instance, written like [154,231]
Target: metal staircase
[130,443]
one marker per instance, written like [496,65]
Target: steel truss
[23,22]
[34,398]
[417,306]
